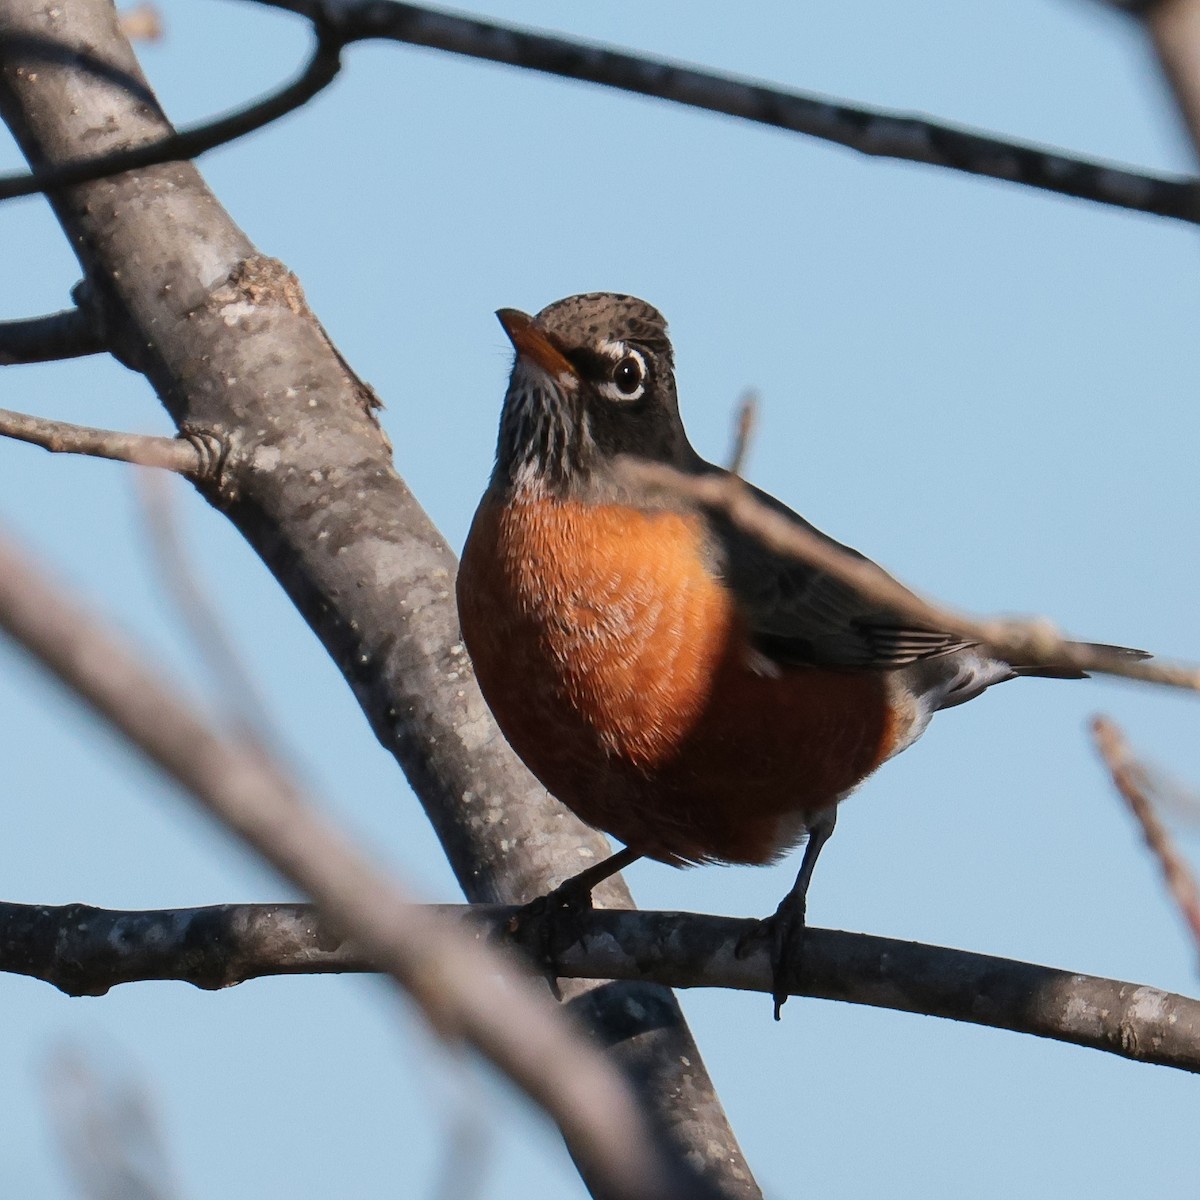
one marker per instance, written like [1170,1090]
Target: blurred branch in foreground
[108,1128]
[465,989]
[1174,27]
[1030,643]
[1021,642]
[1139,785]
[142,23]
[85,951]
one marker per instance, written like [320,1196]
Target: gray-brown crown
[594,317]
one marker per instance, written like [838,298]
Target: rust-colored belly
[618,668]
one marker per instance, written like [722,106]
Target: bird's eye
[624,378]
[627,375]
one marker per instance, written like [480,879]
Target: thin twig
[141,23]
[876,132]
[743,432]
[320,72]
[85,951]
[240,695]
[61,437]
[1029,643]
[108,1129]
[463,987]
[71,333]
[1136,786]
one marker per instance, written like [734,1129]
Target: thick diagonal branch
[227,340]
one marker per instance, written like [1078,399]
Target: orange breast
[618,667]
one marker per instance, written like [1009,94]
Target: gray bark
[225,337]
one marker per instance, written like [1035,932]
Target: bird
[664,673]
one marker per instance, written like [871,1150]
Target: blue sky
[987,389]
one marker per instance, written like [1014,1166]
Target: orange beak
[532,343]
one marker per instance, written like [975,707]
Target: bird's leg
[550,923]
[785,929]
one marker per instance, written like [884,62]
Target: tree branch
[878,133]
[226,339]
[1134,781]
[191,458]
[463,986]
[1034,643]
[875,132]
[85,951]
[71,333]
[320,72]
[141,23]
[1175,29]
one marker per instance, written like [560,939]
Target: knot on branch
[259,280]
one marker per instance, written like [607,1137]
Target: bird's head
[593,379]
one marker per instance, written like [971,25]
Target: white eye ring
[630,364]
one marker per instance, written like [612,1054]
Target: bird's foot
[783,932]
[548,925]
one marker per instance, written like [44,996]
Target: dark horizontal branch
[321,71]
[85,951]
[71,333]
[876,132]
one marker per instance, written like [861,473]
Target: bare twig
[468,1142]
[875,132]
[239,693]
[1031,643]
[743,431]
[1136,785]
[320,72]
[464,988]
[85,951]
[61,437]
[141,23]
[108,1129]
[71,333]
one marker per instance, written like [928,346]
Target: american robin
[664,674]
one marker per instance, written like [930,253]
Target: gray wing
[800,614]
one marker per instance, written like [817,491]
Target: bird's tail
[1118,653]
